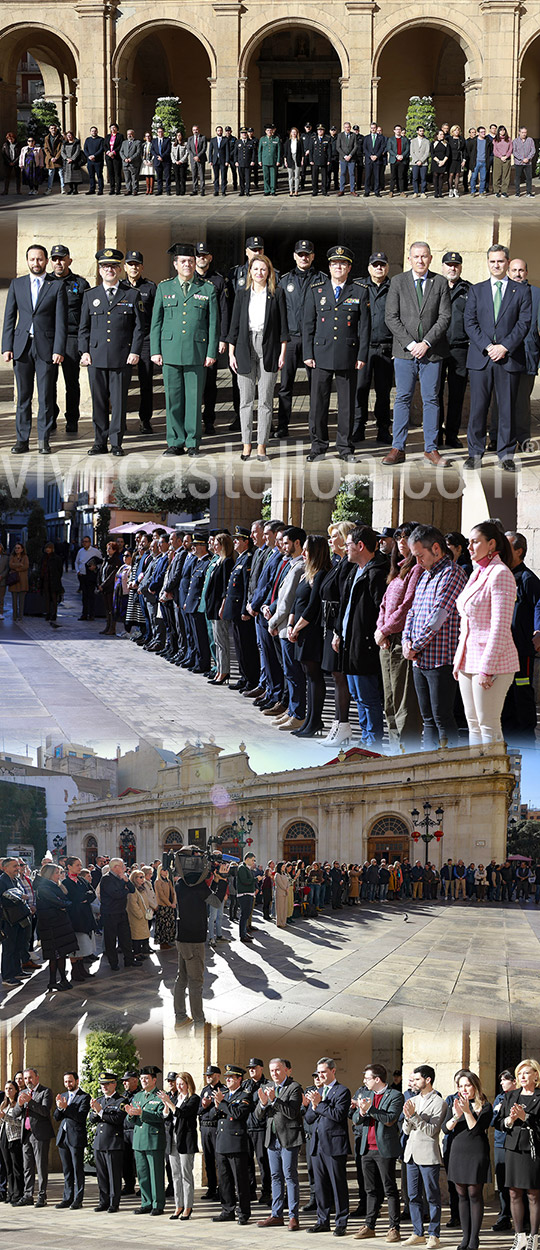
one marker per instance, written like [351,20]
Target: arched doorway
[421,60]
[173,841]
[90,850]
[529,102]
[162,59]
[22,49]
[293,78]
[388,839]
[299,842]
[227,842]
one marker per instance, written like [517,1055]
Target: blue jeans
[295,679]
[366,691]
[245,904]
[408,372]
[419,178]
[383,890]
[478,171]
[50,177]
[428,1175]
[283,1164]
[315,893]
[215,921]
[347,169]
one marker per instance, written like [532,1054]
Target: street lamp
[426,823]
[59,844]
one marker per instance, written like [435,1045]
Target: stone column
[198,1047]
[358,99]
[224,95]
[96,98]
[501,19]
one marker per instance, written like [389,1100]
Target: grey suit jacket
[403,315]
[423,1129]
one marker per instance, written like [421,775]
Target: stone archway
[159,59]
[440,66]
[58,65]
[388,838]
[90,850]
[529,100]
[299,841]
[291,75]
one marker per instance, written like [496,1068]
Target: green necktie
[185,287]
[373,138]
[497,300]
[324,1092]
[420,298]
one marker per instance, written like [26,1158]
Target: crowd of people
[363,333]
[312,158]
[252,1130]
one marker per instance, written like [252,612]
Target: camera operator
[193,888]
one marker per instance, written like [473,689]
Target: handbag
[11,577]
[16,909]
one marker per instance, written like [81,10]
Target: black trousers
[70,369]
[482,383]
[294,359]
[208,1143]
[320,173]
[220,178]
[454,373]
[129,1172]
[12,1158]
[95,175]
[378,372]
[398,176]
[321,386]
[72,1159]
[180,174]
[260,1154]
[374,176]
[114,173]
[109,387]
[210,394]
[145,374]
[163,176]
[244,179]
[330,1176]
[30,368]
[109,1176]
[167,608]
[180,628]
[116,930]
[202,641]
[88,586]
[233,1177]
[247,651]
[377,1168]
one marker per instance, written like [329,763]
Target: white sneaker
[340,733]
[433,1243]
[415,1240]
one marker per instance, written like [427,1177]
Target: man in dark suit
[232,1146]
[34,1106]
[114,888]
[34,338]
[234,608]
[346,150]
[113,160]
[376,1117]
[94,150]
[71,1111]
[219,155]
[418,312]
[497,320]
[336,344]
[374,157]
[195,620]
[107,1115]
[131,156]
[196,146]
[279,1109]
[328,1115]
[111,336]
[161,156]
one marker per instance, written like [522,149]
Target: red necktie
[196,145]
[27,1123]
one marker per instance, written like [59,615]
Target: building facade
[350,809]
[231,62]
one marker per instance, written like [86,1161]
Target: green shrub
[421,112]
[167,114]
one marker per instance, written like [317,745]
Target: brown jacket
[165,894]
[20,564]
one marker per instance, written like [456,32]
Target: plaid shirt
[432,625]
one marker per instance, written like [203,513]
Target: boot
[148,186]
[151,185]
[77,973]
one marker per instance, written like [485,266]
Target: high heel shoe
[308,731]
[221,681]
[177,1214]
[186,1216]
[243,457]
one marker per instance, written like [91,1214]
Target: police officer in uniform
[308,139]
[145,370]
[195,620]
[234,609]
[295,284]
[243,161]
[111,335]
[203,264]
[256,1133]
[237,277]
[270,154]
[320,156]
[232,140]
[379,369]
[107,1115]
[232,1146]
[75,286]
[208,1118]
[336,345]
[252,136]
[130,1081]
[184,340]
[454,367]
[146,1109]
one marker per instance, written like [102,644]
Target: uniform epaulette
[164,281]
[360,282]
[316,283]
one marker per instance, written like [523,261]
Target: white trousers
[483,708]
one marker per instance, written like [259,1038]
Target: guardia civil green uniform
[149,1148]
[270,158]
[184,332]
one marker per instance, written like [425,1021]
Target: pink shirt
[502,148]
[397,600]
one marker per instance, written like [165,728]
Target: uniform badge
[323,301]
[96,303]
[241,282]
[290,286]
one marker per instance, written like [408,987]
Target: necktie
[159,143]
[27,1121]
[420,298]
[497,300]
[110,294]
[373,137]
[324,1092]
[36,286]
[337,292]
[185,287]
[196,145]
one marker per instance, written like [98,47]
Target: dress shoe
[341,1231]
[60,1206]
[392,1236]
[111,1210]
[384,437]
[271,1221]
[319,1228]
[223,1218]
[451,1223]
[101,1207]
[253,694]
[472,462]
[44,449]
[452,442]
[243,1219]
[277,709]
[315,455]
[365,1232]
[433,457]
[194,451]
[292,722]
[157,1211]
[142,1211]
[41,1202]
[509,466]
[309,1206]
[395,456]
[492,445]
[19,449]
[247,938]
[500,1226]
[347,455]
[239,685]
[77,1206]
[293,1224]
[97,451]
[234,427]
[174,451]
[117,451]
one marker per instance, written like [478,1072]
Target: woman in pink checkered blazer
[486,657]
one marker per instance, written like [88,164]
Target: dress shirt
[504,284]
[82,558]
[257,310]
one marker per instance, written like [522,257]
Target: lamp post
[128,846]
[426,823]
[241,834]
[59,844]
